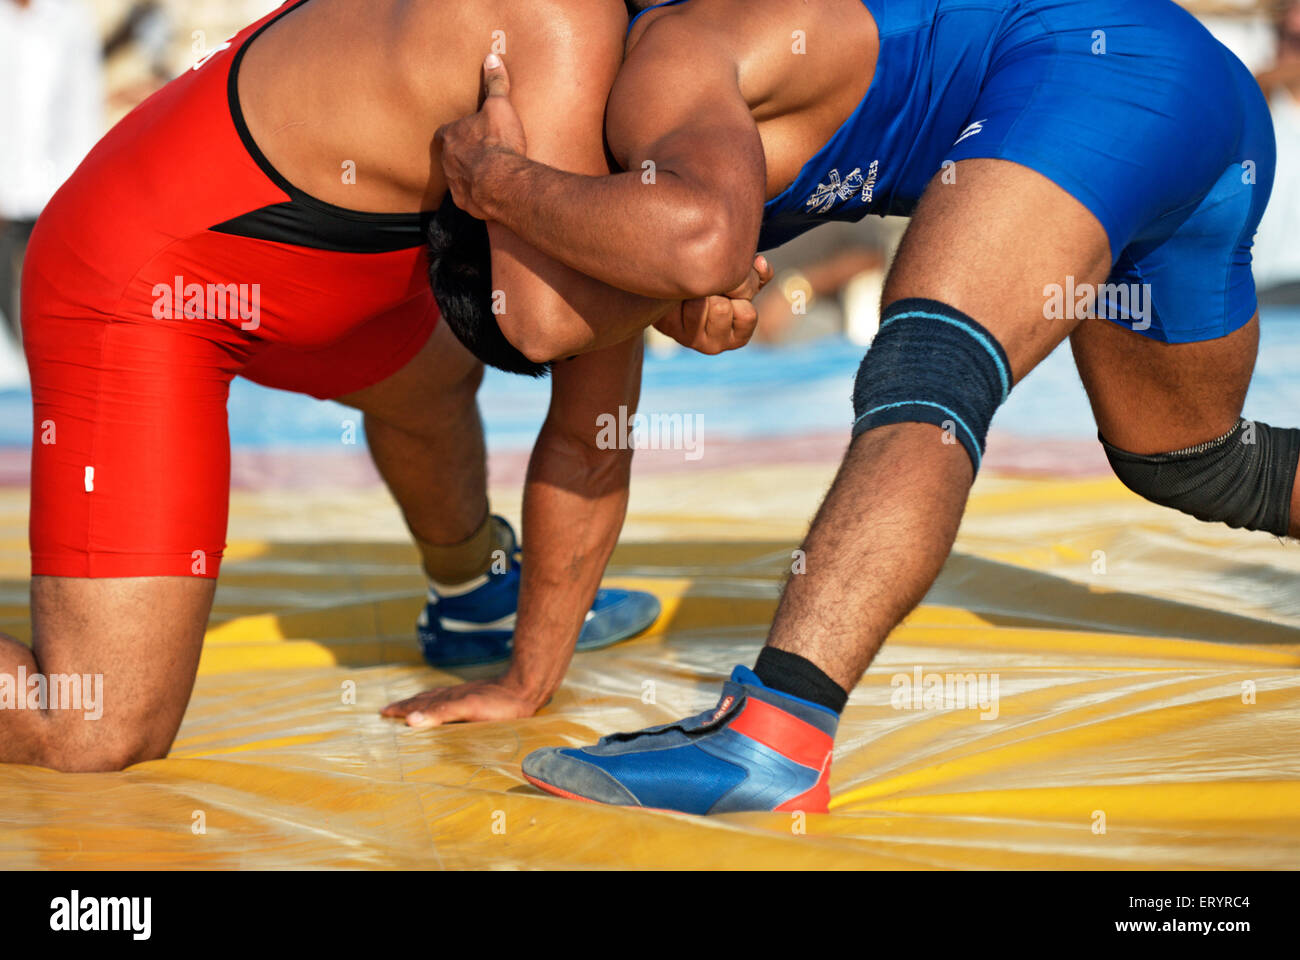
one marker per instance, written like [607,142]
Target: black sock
[790,673]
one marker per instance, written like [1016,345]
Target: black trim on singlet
[303,220]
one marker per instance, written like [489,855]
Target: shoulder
[563,55]
[782,56]
[549,45]
[539,27]
[587,32]
[734,37]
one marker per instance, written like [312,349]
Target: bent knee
[1244,478]
[73,751]
[427,412]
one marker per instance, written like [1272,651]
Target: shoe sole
[557,791]
[549,788]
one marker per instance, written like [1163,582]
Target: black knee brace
[1244,478]
[931,363]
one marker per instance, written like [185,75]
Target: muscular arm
[575,499]
[559,90]
[683,221]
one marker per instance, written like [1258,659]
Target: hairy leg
[426,438]
[142,635]
[987,245]
[1150,397]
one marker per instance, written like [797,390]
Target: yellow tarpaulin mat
[1147,709]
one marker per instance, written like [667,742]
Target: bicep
[535,291]
[675,114]
[561,104]
[560,98]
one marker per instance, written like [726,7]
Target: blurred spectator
[144,21]
[51,114]
[829,281]
[147,42]
[143,37]
[1277,244]
[1244,26]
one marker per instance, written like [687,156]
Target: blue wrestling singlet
[1131,106]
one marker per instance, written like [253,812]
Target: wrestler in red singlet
[131,455]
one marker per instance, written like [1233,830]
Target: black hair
[460,272]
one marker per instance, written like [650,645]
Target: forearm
[664,240]
[575,499]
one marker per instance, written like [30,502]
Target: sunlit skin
[711,95]
[322,86]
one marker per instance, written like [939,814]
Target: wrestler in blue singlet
[1131,106]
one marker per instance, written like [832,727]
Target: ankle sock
[797,676]
[460,562]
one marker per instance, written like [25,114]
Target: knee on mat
[74,751]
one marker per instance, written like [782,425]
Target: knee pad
[932,364]
[1243,479]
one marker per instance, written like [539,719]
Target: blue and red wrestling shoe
[474,622]
[756,750]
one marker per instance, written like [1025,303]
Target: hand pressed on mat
[478,700]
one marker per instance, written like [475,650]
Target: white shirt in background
[51,99]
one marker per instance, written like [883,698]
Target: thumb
[428,717]
[495,78]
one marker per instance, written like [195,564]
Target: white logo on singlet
[209,55]
[970,131]
[824,197]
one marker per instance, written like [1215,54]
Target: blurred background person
[138,42]
[1277,244]
[828,282]
[51,114]
[148,42]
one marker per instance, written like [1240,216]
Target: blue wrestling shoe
[474,622]
[756,750]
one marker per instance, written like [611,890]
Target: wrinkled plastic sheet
[1147,711]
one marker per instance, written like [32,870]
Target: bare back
[363,85]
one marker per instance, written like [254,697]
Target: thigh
[1153,397]
[1192,267]
[130,487]
[130,453]
[988,240]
